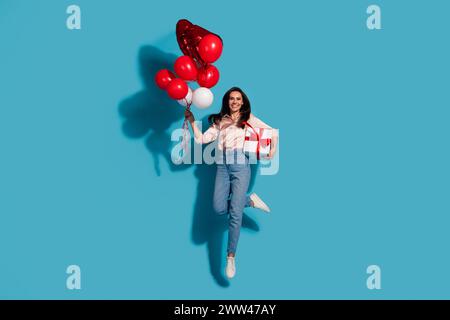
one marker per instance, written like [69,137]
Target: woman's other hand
[271,153]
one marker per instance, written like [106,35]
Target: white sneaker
[258,203]
[230,270]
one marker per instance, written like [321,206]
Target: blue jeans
[230,193]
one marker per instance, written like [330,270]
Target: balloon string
[184,142]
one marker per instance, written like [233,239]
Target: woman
[233,174]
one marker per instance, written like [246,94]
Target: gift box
[257,141]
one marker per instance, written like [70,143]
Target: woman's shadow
[150,113]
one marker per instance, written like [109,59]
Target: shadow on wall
[149,114]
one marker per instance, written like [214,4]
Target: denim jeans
[230,193]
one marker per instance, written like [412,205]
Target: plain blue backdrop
[364,158]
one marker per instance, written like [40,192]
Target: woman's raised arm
[210,135]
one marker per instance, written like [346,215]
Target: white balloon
[202,98]
[188,98]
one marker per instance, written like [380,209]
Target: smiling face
[235,101]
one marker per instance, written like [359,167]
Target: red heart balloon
[189,36]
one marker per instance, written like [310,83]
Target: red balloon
[163,78]
[177,89]
[185,68]
[210,48]
[189,37]
[208,77]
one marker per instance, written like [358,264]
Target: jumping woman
[233,174]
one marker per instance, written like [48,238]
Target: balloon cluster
[200,48]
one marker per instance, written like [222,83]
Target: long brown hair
[225,110]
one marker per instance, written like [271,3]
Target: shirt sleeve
[258,123]
[210,135]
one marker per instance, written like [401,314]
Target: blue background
[85,135]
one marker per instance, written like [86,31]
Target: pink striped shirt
[230,136]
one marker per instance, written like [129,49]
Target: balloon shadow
[209,227]
[150,112]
